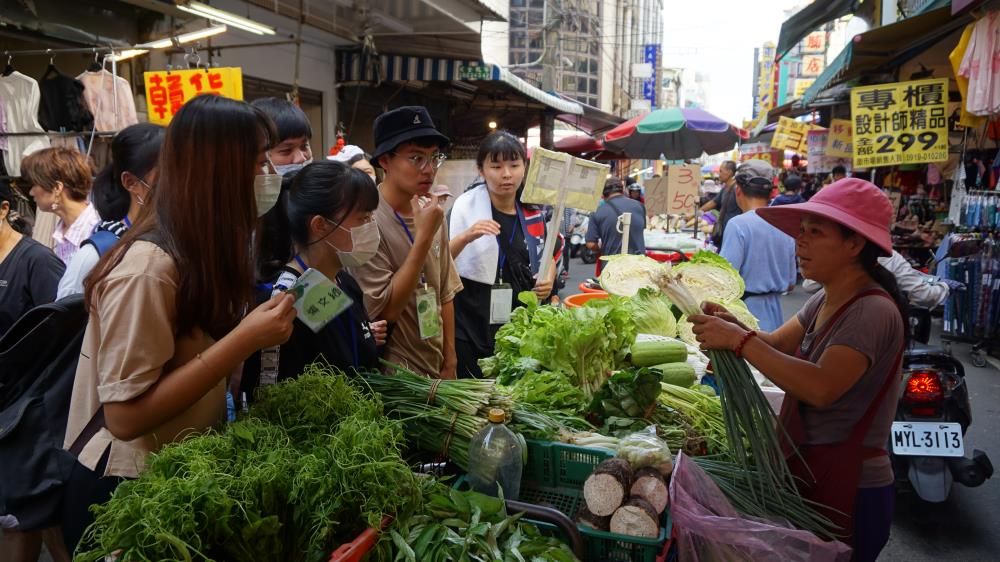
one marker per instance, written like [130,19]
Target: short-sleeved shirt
[404,345]
[725,202]
[29,276]
[872,326]
[346,342]
[765,258]
[131,342]
[605,223]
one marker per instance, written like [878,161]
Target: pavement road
[966,527]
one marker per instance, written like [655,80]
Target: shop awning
[887,47]
[357,67]
[593,121]
[808,19]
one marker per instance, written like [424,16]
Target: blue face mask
[285,169]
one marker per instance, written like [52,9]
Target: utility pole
[550,59]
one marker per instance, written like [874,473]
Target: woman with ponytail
[323,221]
[838,360]
[120,194]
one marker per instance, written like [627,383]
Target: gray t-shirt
[604,225]
[872,326]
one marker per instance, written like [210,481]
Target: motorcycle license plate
[928,439]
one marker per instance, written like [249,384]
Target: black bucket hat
[403,124]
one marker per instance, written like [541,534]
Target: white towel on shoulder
[479,260]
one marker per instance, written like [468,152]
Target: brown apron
[829,474]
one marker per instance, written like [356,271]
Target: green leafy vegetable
[626,275]
[652,314]
[548,390]
[627,394]
[709,277]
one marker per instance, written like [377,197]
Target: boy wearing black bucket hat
[412,281]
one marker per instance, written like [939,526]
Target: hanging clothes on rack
[20,97]
[110,99]
[62,105]
[981,65]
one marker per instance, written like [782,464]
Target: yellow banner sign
[839,143]
[801,85]
[792,135]
[168,90]
[900,123]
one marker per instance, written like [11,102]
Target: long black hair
[135,149]
[325,188]
[869,262]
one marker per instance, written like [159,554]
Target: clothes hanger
[96,65]
[52,65]
[9,69]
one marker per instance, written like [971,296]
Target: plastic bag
[709,529]
[644,448]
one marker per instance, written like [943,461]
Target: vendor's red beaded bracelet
[746,337]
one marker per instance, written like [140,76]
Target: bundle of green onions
[751,429]
[783,503]
[467,396]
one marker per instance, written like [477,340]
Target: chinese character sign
[817,142]
[791,135]
[900,123]
[801,85]
[552,173]
[839,145]
[167,91]
[815,42]
[813,65]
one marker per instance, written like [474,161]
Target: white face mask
[364,244]
[266,189]
[285,169]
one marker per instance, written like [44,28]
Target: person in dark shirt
[725,201]
[325,219]
[495,241]
[29,271]
[604,224]
[793,184]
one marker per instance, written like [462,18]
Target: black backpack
[38,358]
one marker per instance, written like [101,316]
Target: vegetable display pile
[313,465]
[585,344]
[466,526]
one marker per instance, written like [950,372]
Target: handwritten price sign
[682,188]
[656,196]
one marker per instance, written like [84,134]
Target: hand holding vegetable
[714,332]
[719,311]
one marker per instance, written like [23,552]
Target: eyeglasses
[419,161]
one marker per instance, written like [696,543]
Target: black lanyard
[510,244]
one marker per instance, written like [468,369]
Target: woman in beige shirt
[165,305]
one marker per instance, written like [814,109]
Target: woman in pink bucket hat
[838,360]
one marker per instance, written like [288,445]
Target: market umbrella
[578,144]
[676,133]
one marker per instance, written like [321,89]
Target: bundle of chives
[467,396]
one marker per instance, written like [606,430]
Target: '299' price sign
[900,123]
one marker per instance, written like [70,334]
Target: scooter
[578,240]
[927,442]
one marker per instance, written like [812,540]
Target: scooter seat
[917,348]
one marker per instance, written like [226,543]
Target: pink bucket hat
[852,202]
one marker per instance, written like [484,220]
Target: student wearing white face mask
[323,221]
[292,152]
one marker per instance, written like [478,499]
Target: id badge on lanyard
[318,300]
[428,313]
[502,294]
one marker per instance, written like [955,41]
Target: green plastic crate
[554,477]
